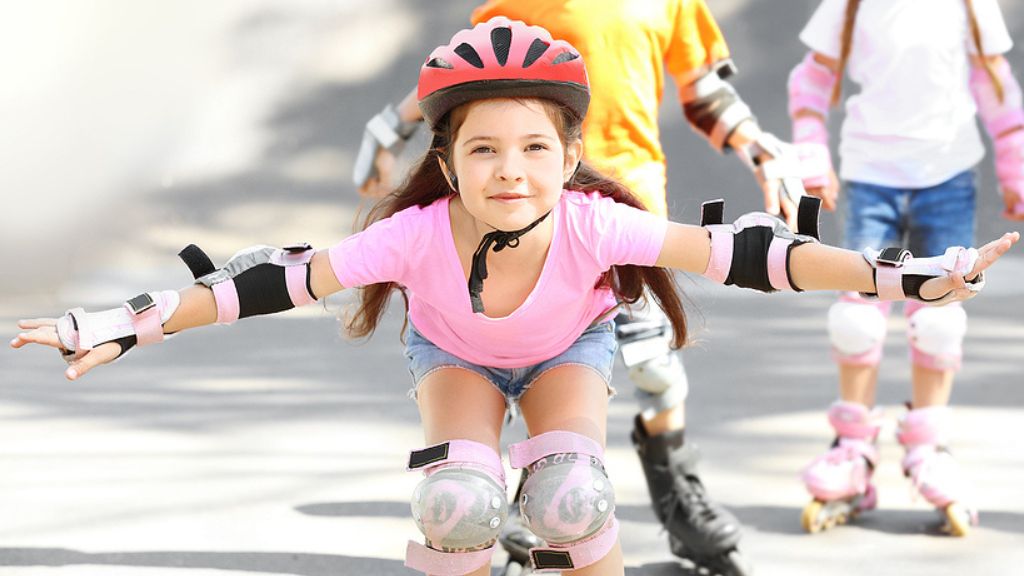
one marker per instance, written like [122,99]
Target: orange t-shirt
[626,46]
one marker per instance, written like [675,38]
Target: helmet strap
[500,240]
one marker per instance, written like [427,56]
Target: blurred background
[130,129]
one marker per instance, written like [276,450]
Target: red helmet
[502,58]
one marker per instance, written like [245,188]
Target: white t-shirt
[912,124]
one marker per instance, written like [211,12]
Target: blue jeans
[924,220]
[594,349]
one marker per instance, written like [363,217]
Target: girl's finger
[97,356]
[45,336]
[991,252]
[31,323]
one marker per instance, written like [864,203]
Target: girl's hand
[43,331]
[1014,201]
[957,283]
[828,193]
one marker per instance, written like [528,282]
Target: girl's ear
[573,155]
[453,180]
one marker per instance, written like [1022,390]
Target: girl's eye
[482,149]
[534,147]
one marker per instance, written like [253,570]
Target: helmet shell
[502,58]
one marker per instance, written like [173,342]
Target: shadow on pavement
[303,564]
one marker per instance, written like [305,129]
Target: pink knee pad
[936,334]
[857,327]
[567,499]
[460,507]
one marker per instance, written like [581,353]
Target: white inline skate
[934,472]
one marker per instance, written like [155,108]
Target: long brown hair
[426,184]
[846,41]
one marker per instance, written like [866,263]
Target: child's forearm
[197,308]
[821,267]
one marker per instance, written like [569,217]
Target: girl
[621,137]
[909,147]
[511,256]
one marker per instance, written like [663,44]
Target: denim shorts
[924,220]
[594,349]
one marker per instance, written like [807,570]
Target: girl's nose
[510,168]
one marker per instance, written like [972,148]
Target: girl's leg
[573,398]
[940,217]
[458,404]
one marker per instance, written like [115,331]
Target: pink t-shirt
[415,248]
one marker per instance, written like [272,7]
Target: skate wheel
[810,519]
[958,520]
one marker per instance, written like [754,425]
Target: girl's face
[510,162]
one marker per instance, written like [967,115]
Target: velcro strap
[197,261]
[226,296]
[778,263]
[578,554]
[430,561]
[458,452]
[712,212]
[720,262]
[145,318]
[522,454]
[889,273]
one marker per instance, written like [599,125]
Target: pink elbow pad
[997,116]
[810,87]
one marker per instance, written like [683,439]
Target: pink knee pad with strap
[857,327]
[936,334]
[567,499]
[459,507]
[1003,120]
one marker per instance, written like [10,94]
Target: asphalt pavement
[276,446]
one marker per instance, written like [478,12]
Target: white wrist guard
[138,323]
[386,131]
[772,159]
[899,276]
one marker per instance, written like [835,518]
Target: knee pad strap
[579,554]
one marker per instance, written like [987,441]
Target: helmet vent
[537,49]
[469,54]
[565,57]
[501,39]
[439,63]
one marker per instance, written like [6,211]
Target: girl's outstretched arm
[114,332]
[757,251]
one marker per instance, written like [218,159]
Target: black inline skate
[700,531]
